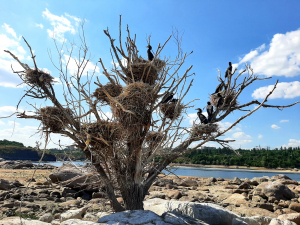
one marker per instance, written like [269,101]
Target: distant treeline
[74,154]
[10,143]
[283,157]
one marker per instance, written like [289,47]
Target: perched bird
[220,101]
[167,98]
[41,78]
[229,70]
[220,87]
[174,100]
[201,116]
[149,53]
[210,110]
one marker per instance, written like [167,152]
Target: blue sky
[263,33]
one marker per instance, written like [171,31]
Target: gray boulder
[179,219]
[275,189]
[209,213]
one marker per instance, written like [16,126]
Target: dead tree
[123,148]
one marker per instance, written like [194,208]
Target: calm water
[214,172]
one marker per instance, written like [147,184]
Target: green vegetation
[74,154]
[5,143]
[283,157]
[11,213]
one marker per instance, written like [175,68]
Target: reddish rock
[174,194]
[295,206]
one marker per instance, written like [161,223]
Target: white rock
[78,222]
[47,217]
[90,217]
[72,214]
[237,221]
[18,221]
[262,220]
[281,222]
[250,221]
[132,217]
[101,214]
[55,222]
[178,219]
[210,213]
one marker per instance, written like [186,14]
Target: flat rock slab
[132,217]
[78,222]
[18,221]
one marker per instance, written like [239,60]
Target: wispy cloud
[260,136]
[274,126]
[284,121]
[60,25]
[283,90]
[39,25]
[9,30]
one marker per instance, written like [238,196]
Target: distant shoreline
[240,168]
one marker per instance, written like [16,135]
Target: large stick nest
[208,129]
[137,98]
[113,90]
[227,96]
[53,118]
[145,71]
[104,134]
[168,110]
[34,77]
[153,139]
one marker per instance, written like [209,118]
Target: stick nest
[113,90]
[168,110]
[38,77]
[154,138]
[208,129]
[103,134]
[137,98]
[53,118]
[228,97]
[145,71]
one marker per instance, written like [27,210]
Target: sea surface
[213,172]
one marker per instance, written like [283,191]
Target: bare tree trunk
[133,196]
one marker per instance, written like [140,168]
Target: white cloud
[7,110]
[274,126]
[281,59]
[2,123]
[283,90]
[241,135]
[284,121]
[294,143]
[60,25]
[7,77]
[260,136]
[9,30]
[238,129]
[39,25]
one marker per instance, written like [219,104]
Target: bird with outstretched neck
[210,111]
[228,72]
[149,53]
[201,117]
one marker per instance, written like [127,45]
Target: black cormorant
[210,110]
[229,70]
[220,101]
[220,87]
[167,98]
[149,53]
[174,100]
[201,116]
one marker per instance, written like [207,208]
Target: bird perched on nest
[41,78]
[201,116]
[149,53]
[220,101]
[167,98]
[220,87]
[228,71]
[210,110]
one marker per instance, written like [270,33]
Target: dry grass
[154,138]
[53,118]
[22,175]
[113,90]
[228,97]
[208,129]
[137,98]
[168,110]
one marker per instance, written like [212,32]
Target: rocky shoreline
[171,200]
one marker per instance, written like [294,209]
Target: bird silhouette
[201,116]
[229,70]
[210,110]
[167,98]
[149,53]
[220,101]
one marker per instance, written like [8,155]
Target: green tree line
[283,157]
